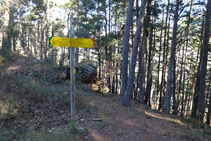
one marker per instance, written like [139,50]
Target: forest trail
[46,121]
[139,123]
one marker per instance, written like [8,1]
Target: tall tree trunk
[150,60]
[109,49]
[183,91]
[149,71]
[172,57]
[38,38]
[180,79]
[45,29]
[117,70]
[164,53]
[209,105]
[117,51]
[77,49]
[13,31]
[182,109]
[196,78]
[137,78]
[186,93]
[21,25]
[41,40]
[6,43]
[98,49]
[28,50]
[129,88]
[204,50]
[174,107]
[142,70]
[158,84]
[52,31]
[125,52]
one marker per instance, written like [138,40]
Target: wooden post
[72,78]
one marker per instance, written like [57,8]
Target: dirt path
[136,124]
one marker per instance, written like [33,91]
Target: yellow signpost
[68,42]
[72,43]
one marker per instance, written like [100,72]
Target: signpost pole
[72,79]
[72,43]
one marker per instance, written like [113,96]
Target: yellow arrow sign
[59,42]
[68,42]
[83,42]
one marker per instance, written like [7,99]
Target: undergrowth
[27,94]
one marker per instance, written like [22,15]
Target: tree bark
[149,73]
[13,32]
[98,49]
[183,105]
[172,57]
[128,91]
[158,80]
[6,43]
[209,105]
[201,101]
[180,79]
[142,69]
[163,67]
[186,93]
[174,107]
[125,52]
[196,78]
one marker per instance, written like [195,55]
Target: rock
[79,115]
[82,120]
[148,117]
[86,72]
[50,131]
[145,124]
[97,119]
[81,128]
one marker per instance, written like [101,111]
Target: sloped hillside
[34,108]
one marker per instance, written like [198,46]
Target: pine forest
[146,74]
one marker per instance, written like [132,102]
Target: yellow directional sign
[83,42]
[59,42]
[68,42]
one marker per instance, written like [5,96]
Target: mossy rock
[86,71]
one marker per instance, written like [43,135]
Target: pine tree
[129,88]
[171,60]
[204,50]
[125,52]
[6,43]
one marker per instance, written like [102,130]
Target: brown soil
[139,123]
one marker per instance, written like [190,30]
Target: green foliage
[119,133]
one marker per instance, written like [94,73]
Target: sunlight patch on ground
[13,68]
[95,135]
[128,122]
[165,118]
[92,103]
[6,107]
